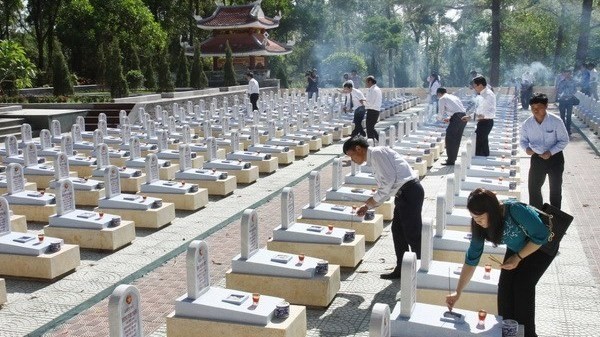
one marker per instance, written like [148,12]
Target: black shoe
[447,163]
[391,276]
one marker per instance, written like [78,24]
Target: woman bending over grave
[521,229]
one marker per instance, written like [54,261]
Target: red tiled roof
[243,43]
[227,16]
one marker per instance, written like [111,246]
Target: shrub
[183,73]
[165,81]
[114,73]
[228,70]
[135,79]
[198,79]
[336,64]
[61,78]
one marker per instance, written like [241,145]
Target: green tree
[135,79]
[165,80]
[149,75]
[198,78]
[114,73]
[61,78]
[339,63]
[183,72]
[16,71]
[9,13]
[41,16]
[101,73]
[228,70]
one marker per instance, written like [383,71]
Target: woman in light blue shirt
[521,229]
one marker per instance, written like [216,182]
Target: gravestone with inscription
[124,312]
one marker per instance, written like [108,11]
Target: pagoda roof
[234,17]
[243,44]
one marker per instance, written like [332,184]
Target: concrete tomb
[298,279]
[220,311]
[336,245]
[87,191]
[217,182]
[264,161]
[244,171]
[321,213]
[148,212]
[131,179]
[35,206]
[167,169]
[124,312]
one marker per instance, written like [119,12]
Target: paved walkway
[568,295]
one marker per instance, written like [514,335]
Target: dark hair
[348,84]
[482,201]
[354,142]
[250,74]
[346,76]
[473,72]
[441,90]
[371,79]
[538,98]
[480,80]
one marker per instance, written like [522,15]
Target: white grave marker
[4,216]
[249,233]
[56,129]
[314,189]
[151,168]
[198,277]
[101,117]
[125,133]
[66,145]
[30,154]
[408,283]
[15,182]
[379,325]
[163,140]
[103,126]
[26,136]
[206,128]
[151,129]
[76,133]
[337,174]
[65,198]
[288,216]
[124,312]
[11,146]
[80,120]
[186,134]
[235,142]
[102,156]
[134,148]
[98,137]
[211,149]
[426,244]
[112,182]
[61,167]
[185,157]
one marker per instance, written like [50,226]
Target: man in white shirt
[394,176]
[373,106]
[484,114]
[355,102]
[593,80]
[451,111]
[253,90]
[544,137]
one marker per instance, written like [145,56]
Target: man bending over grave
[394,176]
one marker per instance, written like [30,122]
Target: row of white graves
[588,111]
[413,318]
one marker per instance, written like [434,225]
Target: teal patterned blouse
[514,236]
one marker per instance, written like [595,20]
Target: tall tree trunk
[560,37]
[584,33]
[495,46]
[390,67]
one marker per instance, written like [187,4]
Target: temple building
[245,27]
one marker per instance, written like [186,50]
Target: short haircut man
[441,90]
[354,142]
[538,98]
[348,84]
[371,79]
[480,80]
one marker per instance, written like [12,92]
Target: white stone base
[133,184]
[292,326]
[28,186]
[386,209]
[151,218]
[468,300]
[43,182]
[3,298]
[18,223]
[315,144]
[217,187]
[370,229]
[85,198]
[285,158]
[188,201]
[302,150]
[45,266]
[266,166]
[318,291]
[34,213]
[348,254]
[110,239]
[421,168]
[245,176]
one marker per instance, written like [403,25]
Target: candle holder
[488,270]
[41,237]
[255,299]
[482,314]
[301,258]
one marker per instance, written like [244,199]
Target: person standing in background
[451,111]
[434,84]
[527,80]
[593,80]
[544,137]
[565,93]
[355,102]
[373,106]
[484,114]
[312,87]
[253,90]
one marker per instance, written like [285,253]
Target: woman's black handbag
[557,222]
[574,100]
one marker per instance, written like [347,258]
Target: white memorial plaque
[186,134]
[125,133]
[122,116]
[198,277]
[15,182]
[11,146]
[272,129]
[76,133]
[56,129]
[30,154]
[102,156]
[151,130]
[249,233]
[225,124]
[98,137]
[163,140]
[61,166]
[65,198]
[4,216]
[158,112]
[235,142]
[80,120]
[112,182]
[66,145]
[134,148]
[102,126]
[151,168]
[26,136]
[171,125]
[427,244]
[337,174]
[254,135]
[314,189]
[45,139]
[185,157]
[287,208]
[124,312]
[408,283]
[379,325]
[206,128]
[211,148]
[102,117]
[392,135]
